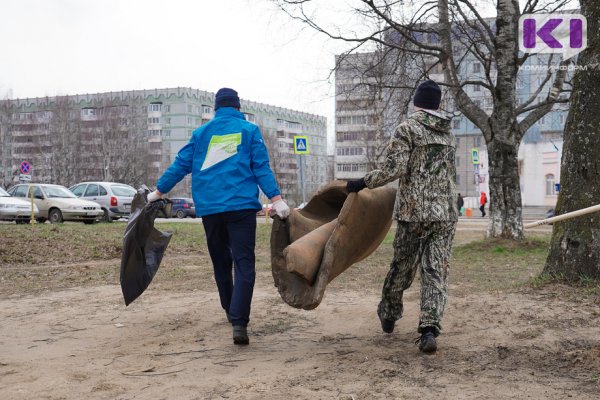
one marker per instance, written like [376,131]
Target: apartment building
[132,136]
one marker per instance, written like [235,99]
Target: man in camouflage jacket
[421,156]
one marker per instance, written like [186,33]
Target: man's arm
[176,171]
[396,158]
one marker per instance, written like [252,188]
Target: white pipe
[562,217]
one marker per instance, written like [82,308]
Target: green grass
[497,264]
[37,252]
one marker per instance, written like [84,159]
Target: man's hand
[154,196]
[355,186]
[281,209]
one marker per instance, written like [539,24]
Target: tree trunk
[505,191]
[575,246]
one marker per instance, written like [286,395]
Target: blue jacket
[228,160]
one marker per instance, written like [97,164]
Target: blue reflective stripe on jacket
[225,174]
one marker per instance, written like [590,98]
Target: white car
[57,203]
[15,209]
[114,198]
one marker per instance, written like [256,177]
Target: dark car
[183,207]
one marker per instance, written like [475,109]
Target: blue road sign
[301,144]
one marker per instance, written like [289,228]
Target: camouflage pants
[426,246]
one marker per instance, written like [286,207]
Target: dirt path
[175,344]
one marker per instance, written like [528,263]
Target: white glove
[281,209]
[153,196]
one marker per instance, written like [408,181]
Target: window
[190,121]
[477,88]
[476,67]
[155,107]
[457,161]
[168,120]
[78,190]
[457,141]
[37,192]
[189,108]
[206,109]
[167,108]
[477,141]
[456,123]
[88,112]
[153,120]
[550,185]
[92,190]
[19,191]
[457,179]
[102,191]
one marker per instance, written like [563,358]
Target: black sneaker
[427,342]
[240,335]
[387,325]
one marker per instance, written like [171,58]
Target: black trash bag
[143,245]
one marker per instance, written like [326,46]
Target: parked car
[114,198]
[15,209]
[57,204]
[183,207]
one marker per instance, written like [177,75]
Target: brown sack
[319,242]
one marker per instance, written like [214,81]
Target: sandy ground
[83,343]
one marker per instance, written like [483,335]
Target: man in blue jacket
[228,161]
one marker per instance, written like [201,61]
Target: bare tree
[59,142]
[452,33]
[120,142]
[6,162]
[378,83]
[575,247]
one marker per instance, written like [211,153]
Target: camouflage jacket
[421,155]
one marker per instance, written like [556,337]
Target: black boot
[240,335]
[427,343]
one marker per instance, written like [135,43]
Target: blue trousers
[231,239]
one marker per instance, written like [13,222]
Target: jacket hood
[433,120]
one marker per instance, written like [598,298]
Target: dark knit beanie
[226,97]
[428,95]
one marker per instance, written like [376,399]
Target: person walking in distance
[460,202]
[482,203]
[421,155]
[228,161]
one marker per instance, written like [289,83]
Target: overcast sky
[53,47]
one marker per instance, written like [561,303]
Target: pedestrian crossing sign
[301,144]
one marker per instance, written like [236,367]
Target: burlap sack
[319,242]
